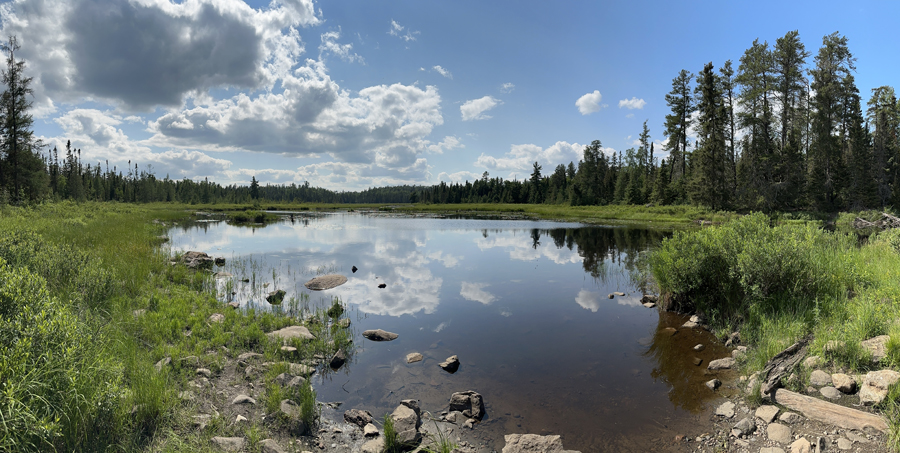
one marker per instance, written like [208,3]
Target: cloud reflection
[475,292]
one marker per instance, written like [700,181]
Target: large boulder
[469,403]
[407,420]
[533,443]
[197,260]
[875,386]
[292,332]
[379,335]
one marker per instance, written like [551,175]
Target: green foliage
[391,443]
[251,217]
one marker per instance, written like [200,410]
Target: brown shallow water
[523,304]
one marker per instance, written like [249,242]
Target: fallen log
[830,413]
[782,364]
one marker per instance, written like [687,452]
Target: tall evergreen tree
[834,62]
[757,157]
[681,103]
[23,170]
[709,185]
[883,114]
[726,77]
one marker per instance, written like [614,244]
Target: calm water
[524,304]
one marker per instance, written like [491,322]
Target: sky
[354,94]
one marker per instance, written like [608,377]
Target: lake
[524,305]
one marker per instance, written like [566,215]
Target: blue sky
[354,94]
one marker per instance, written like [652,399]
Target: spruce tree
[709,185]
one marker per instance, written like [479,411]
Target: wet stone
[413,357]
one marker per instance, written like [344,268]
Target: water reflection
[499,295]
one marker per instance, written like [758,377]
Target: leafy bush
[722,271]
[56,391]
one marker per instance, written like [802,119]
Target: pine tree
[709,185]
[681,102]
[834,62]
[884,117]
[23,171]
[757,158]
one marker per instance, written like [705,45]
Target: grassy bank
[776,284]
[89,304]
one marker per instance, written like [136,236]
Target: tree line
[781,132]
[776,134]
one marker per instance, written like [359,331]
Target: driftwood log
[831,413]
[782,364]
[886,221]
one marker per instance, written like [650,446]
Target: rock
[216,318]
[726,410]
[270,446]
[344,323]
[649,304]
[289,350]
[699,347]
[220,261]
[877,346]
[450,365]
[292,332]
[690,325]
[239,419]
[204,372]
[290,409]
[790,418]
[455,416]
[228,443]
[414,357]
[299,369]
[714,384]
[733,339]
[670,331]
[612,296]
[739,353]
[162,363]
[697,361]
[470,423]
[813,361]
[470,403]
[767,413]
[875,386]
[373,446]
[619,293]
[819,378]
[200,421]
[370,430]
[801,445]
[649,298]
[338,360]
[353,269]
[324,282]
[722,364]
[407,420]
[285,379]
[855,437]
[779,433]
[844,444]
[249,355]
[746,426]
[770,450]
[358,417]
[379,335]
[243,399]
[533,443]
[276,297]
[197,260]
[844,383]
[234,305]
[830,392]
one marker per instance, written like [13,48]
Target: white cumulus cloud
[632,104]
[397,30]
[507,88]
[474,109]
[589,103]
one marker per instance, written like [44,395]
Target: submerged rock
[722,364]
[325,282]
[413,357]
[379,335]
[276,297]
[451,364]
[338,359]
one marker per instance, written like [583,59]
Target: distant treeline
[774,135]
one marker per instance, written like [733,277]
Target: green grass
[77,365]
[391,443]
